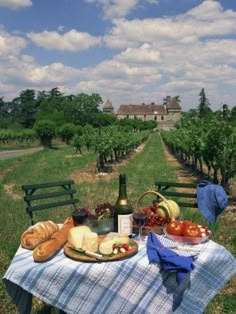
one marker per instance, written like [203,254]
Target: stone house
[166,115]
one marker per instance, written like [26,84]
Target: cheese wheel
[106,247]
[90,242]
[76,234]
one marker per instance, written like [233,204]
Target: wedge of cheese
[114,235]
[76,235]
[90,242]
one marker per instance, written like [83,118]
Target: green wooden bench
[48,195]
[170,189]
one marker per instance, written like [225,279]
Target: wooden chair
[56,194]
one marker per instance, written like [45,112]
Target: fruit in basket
[168,209]
[174,228]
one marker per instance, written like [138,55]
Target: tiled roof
[172,103]
[108,104]
[141,110]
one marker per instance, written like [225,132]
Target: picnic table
[126,286]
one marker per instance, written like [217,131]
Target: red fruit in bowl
[186,223]
[192,230]
[174,228]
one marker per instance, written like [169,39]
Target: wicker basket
[147,229]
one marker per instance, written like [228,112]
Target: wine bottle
[123,222]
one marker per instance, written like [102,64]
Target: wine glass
[140,220]
[79,216]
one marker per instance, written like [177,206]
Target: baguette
[51,247]
[38,233]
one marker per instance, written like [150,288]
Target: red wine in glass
[80,216]
[140,220]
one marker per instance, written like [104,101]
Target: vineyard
[8,136]
[205,142]
[109,143]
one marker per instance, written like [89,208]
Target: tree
[203,107]
[67,131]
[45,129]
[177,98]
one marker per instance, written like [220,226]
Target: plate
[186,240]
[69,252]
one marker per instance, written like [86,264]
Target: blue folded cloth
[168,260]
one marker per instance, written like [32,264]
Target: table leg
[21,297]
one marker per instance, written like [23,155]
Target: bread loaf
[38,233]
[51,247]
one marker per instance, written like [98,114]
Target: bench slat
[185,204]
[34,197]
[178,194]
[46,185]
[51,205]
[175,184]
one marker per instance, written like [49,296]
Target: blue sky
[128,51]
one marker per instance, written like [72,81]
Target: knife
[90,254]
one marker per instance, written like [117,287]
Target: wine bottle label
[125,224]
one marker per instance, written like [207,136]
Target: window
[144,117]
[127,116]
[162,117]
[155,118]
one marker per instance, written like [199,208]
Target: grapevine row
[210,142]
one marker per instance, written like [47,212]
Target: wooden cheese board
[82,257]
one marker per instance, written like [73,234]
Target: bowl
[102,226]
[186,240]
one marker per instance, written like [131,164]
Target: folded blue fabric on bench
[211,199]
[168,259]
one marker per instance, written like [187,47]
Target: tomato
[174,228]
[186,223]
[191,230]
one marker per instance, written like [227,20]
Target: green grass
[56,164]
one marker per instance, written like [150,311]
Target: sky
[128,51]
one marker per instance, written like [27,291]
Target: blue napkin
[168,260]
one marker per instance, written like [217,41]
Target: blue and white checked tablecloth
[128,286]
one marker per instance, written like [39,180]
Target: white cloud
[15,4]
[24,71]
[119,8]
[156,57]
[70,41]
[10,45]
[143,55]
[185,28]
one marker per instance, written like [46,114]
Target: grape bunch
[153,218]
[104,211]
